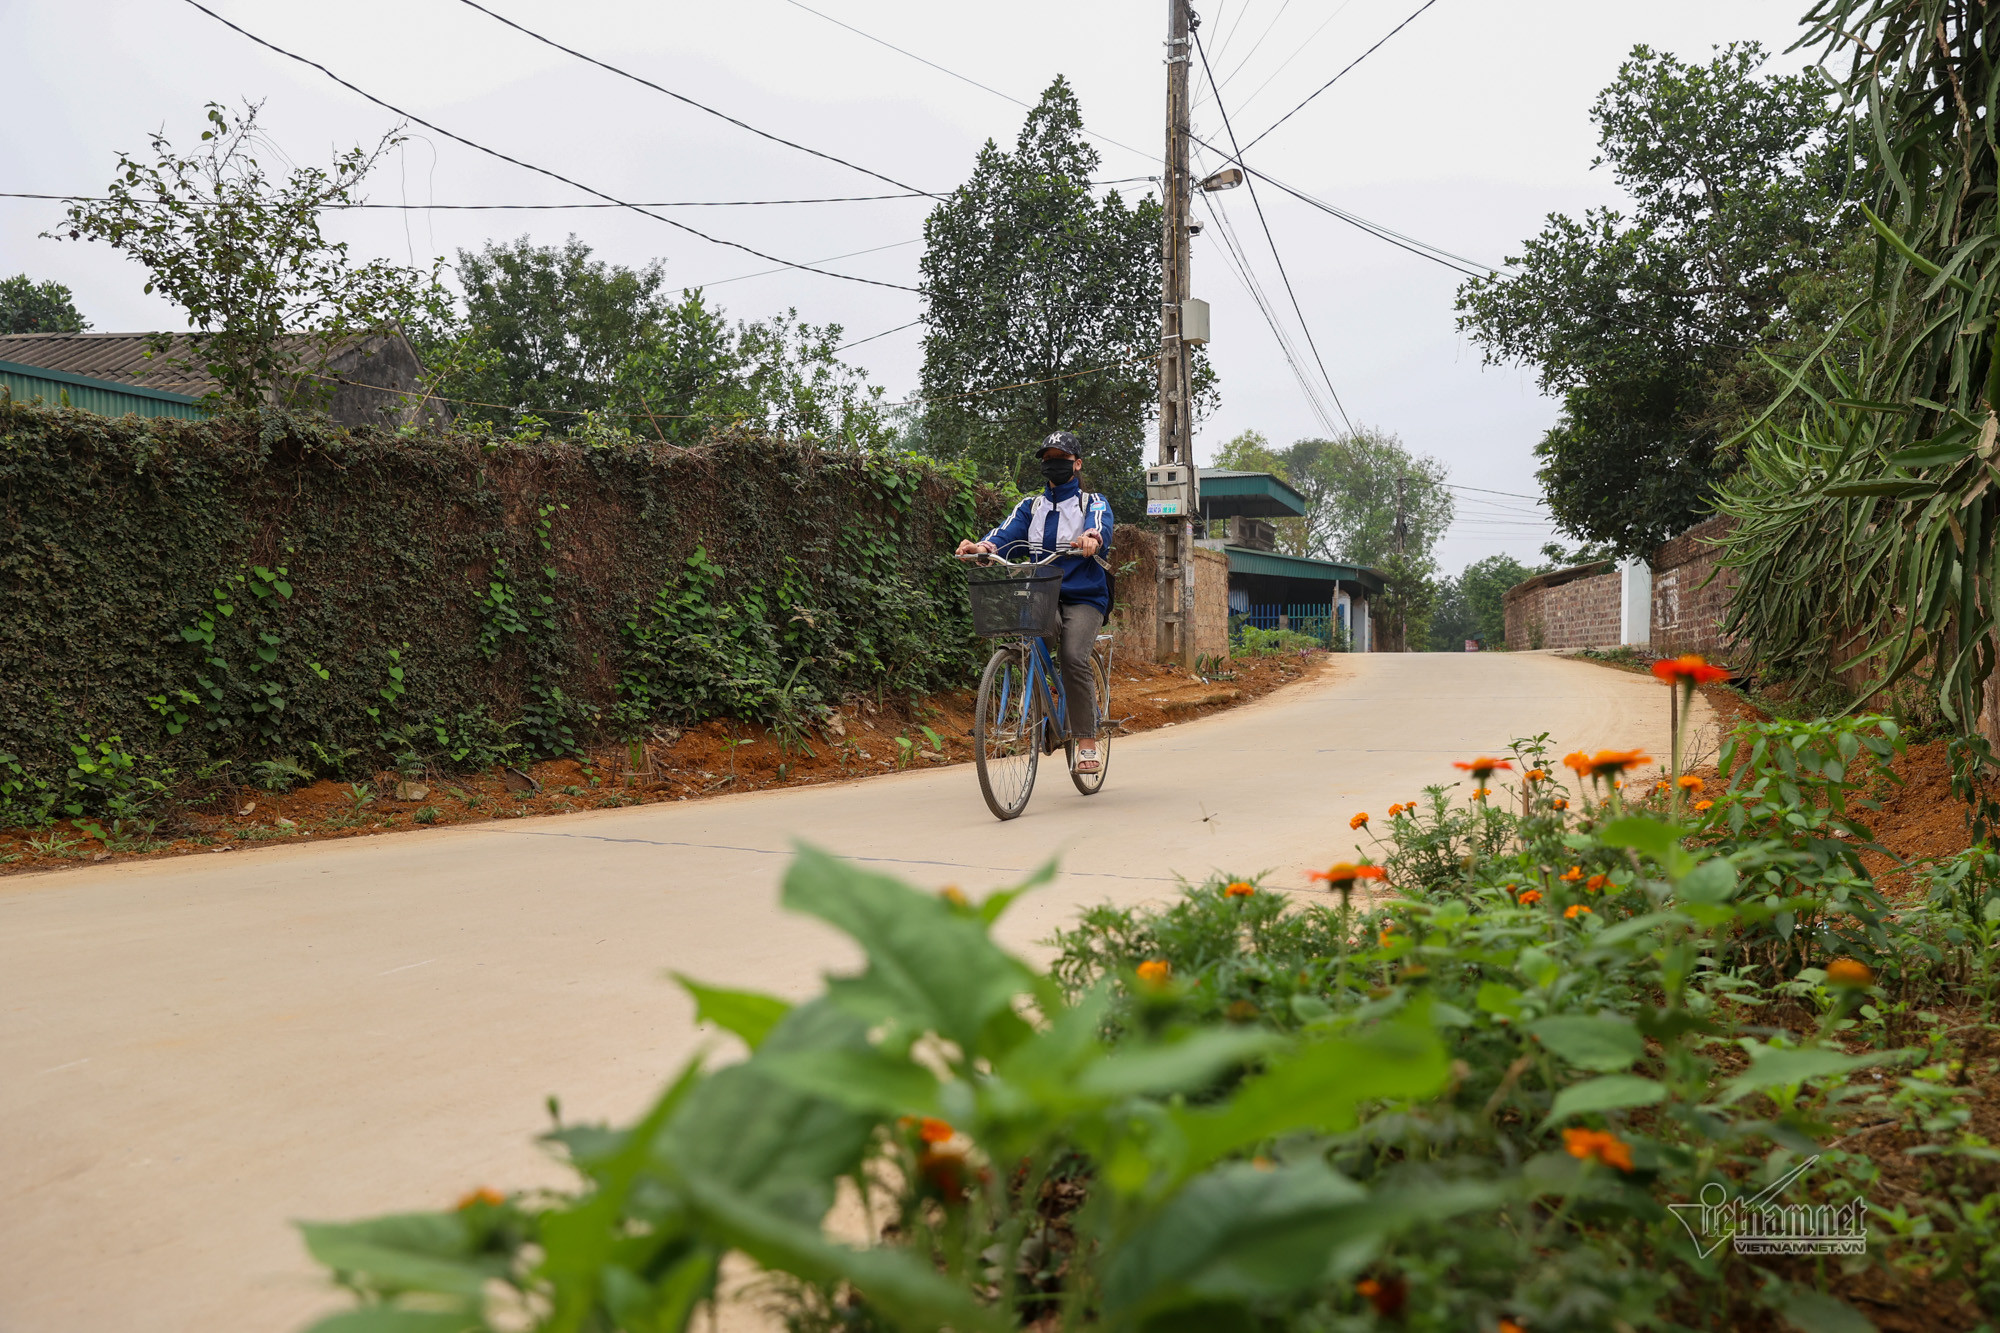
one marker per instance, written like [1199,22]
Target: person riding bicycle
[1065,513]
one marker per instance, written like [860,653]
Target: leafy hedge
[180,599]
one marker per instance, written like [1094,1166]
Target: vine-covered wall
[283,591]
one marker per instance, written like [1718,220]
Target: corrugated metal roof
[1243,560]
[118,357]
[1226,494]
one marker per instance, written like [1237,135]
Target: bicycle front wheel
[1005,727]
[1092,783]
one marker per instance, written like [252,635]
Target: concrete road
[195,1051]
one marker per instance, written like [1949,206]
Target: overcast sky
[1464,130]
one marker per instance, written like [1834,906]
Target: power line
[962,78]
[1259,204]
[1239,268]
[1215,89]
[1297,51]
[1337,78]
[681,97]
[478,208]
[543,171]
[579,205]
[1512,495]
[767,272]
[883,334]
[1470,268]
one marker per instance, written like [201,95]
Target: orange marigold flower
[1661,785]
[1531,897]
[1155,971]
[1341,872]
[1688,669]
[1575,910]
[954,895]
[1536,775]
[1849,972]
[1689,782]
[1239,889]
[1509,1326]
[1388,1295]
[1605,763]
[1596,883]
[1359,821]
[1598,1145]
[1562,803]
[492,1198]
[1704,805]
[1397,809]
[1483,767]
[944,1170]
[932,1130]
[1481,793]
[1573,874]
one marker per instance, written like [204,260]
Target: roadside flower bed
[1513,1077]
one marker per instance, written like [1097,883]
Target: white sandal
[1086,760]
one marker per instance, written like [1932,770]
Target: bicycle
[1020,706]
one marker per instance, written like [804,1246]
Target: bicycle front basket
[1011,602]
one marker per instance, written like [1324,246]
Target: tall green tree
[552,333]
[545,330]
[268,296]
[1645,324]
[1352,487]
[27,306]
[1032,279]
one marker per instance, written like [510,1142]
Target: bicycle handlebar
[994,558]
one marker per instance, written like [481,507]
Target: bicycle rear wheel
[1005,729]
[1092,783]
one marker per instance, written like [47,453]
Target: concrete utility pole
[1174,589]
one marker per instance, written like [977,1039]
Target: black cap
[1062,440]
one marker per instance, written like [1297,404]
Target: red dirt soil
[863,739]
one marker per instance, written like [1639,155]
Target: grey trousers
[1080,625]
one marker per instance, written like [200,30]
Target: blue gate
[1323,622]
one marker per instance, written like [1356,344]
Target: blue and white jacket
[1040,523]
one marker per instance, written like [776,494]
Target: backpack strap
[1102,563]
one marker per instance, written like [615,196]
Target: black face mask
[1059,470]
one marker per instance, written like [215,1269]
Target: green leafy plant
[56,844]
[280,775]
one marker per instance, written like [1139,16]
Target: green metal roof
[106,397]
[1226,494]
[1275,564]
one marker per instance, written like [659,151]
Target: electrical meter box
[1170,490]
[1194,321]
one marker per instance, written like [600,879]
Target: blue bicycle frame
[1042,674]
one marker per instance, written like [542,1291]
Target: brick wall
[1566,609]
[1136,557]
[1689,604]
